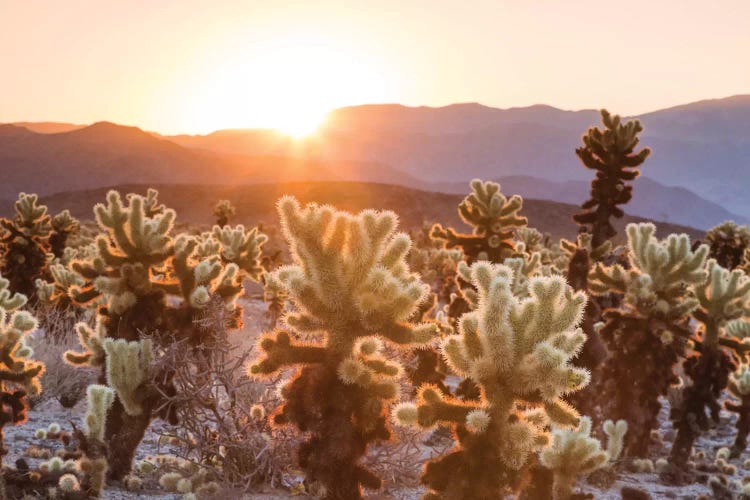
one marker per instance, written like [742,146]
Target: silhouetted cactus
[349,282]
[646,336]
[63,225]
[724,300]
[493,218]
[223,211]
[611,153]
[516,345]
[728,242]
[149,283]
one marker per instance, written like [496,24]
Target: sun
[288,84]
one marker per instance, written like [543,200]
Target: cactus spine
[349,282]
[611,153]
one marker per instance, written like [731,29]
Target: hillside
[256,203]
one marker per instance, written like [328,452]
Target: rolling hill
[256,203]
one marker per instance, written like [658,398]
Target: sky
[189,66]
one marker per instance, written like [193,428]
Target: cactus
[728,242]
[24,243]
[63,226]
[147,282]
[19,374]
[516,346]
[223,211]
[493,218]
[574,453]
[739,387]
[350,282]
[646,336]
[724,300]
[611,153]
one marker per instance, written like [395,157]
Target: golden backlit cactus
[349,283]
[517,348]
[223,211]
[647,335]
[19,374]
[575,453]
[493,218]
[128,368]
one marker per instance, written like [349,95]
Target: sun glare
[288,85]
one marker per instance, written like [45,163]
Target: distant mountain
[256,203]
[48,127]
[703,147]
[698,174]
[104,154]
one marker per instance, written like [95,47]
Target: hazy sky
[195,66]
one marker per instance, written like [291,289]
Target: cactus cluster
[647,335]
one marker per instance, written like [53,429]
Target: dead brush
[223,427]
[60,380]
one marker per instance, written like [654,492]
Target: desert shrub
[349,283]
[516,346]
[610,152]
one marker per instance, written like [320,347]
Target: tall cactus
[493,218]
[516,345]
[646,336]
[350,283]
[724,302]
[147,282]
[611,153]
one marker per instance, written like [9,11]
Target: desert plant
[739,387]
[724,302]
[646,336]
[19,375]
[63,225]
[611,153]
[493,218]
[575,453]
[516,345]
[728,242]
[223,211]
[151,284]
[350,283]
[24,243]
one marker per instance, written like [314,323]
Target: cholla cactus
[575,453]
[146,281]
[493,218]
[56,292]
[611,153]
[724,300]
[223,211]
[24,243]
[350,282]
[517,348]
[63,225]
[93,462]
[647,334]
[728,242]
[739,387]
[19,374]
